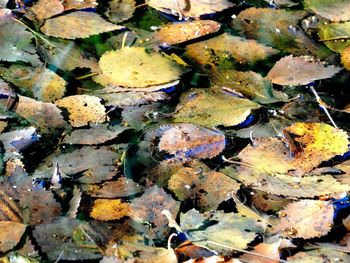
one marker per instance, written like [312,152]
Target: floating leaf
[94,135]
[334,10]
[10,234]
[191,141]
[79,240]
[192,8]
[44,9]
[148,208]
[306,219]
[120,10]
[226,46]
[79,4]
[133,67]
[83,109]
[296,71]
[171,34]
[335,35]
[207,189]
[250,84]
[109,209]
[77,25]
[212,108]
[345,58]
[41,83]
[319,255]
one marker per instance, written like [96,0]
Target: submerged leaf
[319,255]
[120,10]
[300,71]
[10,234]
[334,10]
[133,67]
[335,35]
[210,108]
[77,25]
[109,209]
[44,9]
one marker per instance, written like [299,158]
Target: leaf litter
[125,123]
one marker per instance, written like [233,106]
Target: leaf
[225,47]
[334,10]
[74,203]
[16,42]
[207,189]
[79,4]
[187,141]
[335,35]
[212,108]
[148,208]
[44,9]
[44,115]
[120,10]
[306,219]
[94,135]
[319,255]
[134,68]
[252,85]
[300,71]
[40,83]
[83,109]
[109,209]
[171,34]
[77,24]
[192,8]
[79,240]
[345,58]
[227,229]
[10,235]
[269,250]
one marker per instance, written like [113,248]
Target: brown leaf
[79,4]
[109,209]
[44,9]
[120,10]
[10,234]
[78,24]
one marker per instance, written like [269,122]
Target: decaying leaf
[44,9]
[83,109]
[335,35]
[122,187]
[210,108]
[345,58]
[134,68]
[334,10]
[207,189]
[120,10]
[306,219]
[249,84]
[192,8]
[109,209]
[44,115]
[79,4]
[269,250]
[40,83]
[79,240]
[171,34]
[225,47]
[148,207]
[186,141]
[227,229]
[77,25]
[94,135]
[319,255]
[296,71]
[74,203]
[10,234]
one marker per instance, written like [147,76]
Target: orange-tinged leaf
[109,209]
[77,25]
[345,58]
[44,9]
[83,109]
[306,219]
[171,34]
[297,71]
[264,253]
[10,234]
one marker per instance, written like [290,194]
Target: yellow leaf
[109,209]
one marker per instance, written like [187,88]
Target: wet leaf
[134,68]
[171,34]
[83,109]
[109,209]
[226,47]
[306,219]
[79,240]
[79,4]
[319,255]
[192,8]
[190,141]
[334,10]
[300,71]
[74,203]
[207,189]
[78,24]
[345,58]
[120,10]
[269,250]
[335,35]
[10,234]
[196,107]
[148,207]
[40,83]
[44,9]
[94,135]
